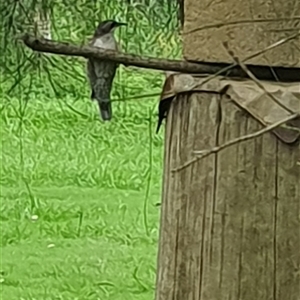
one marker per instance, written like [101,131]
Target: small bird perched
[101,73]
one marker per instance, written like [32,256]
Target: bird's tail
[105,109]
[101,93]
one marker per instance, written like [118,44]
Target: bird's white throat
[107,41]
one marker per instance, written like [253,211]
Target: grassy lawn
[78,214]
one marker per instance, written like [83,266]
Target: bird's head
[107,26]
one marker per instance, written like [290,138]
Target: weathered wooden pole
[230,222]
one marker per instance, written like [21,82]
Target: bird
[175,84]
[167,95]
[163,109]
[101,72]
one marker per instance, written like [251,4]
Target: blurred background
[79,214]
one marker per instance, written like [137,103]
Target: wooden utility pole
[230,225]
[230,222]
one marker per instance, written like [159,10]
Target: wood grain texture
[230,225]
[245,32]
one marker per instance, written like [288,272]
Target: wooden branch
[62,48]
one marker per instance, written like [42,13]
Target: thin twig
[253,78]
[255,54]
[291,128]
[137,97]
[238,22]
[205,153]
[283,29]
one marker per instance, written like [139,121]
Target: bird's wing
[91,65]
[92,77]
[97,68]
[90,69]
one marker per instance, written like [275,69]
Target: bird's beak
[121,24]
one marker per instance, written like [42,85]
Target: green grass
[78,215]
[103,255]
[77,221]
